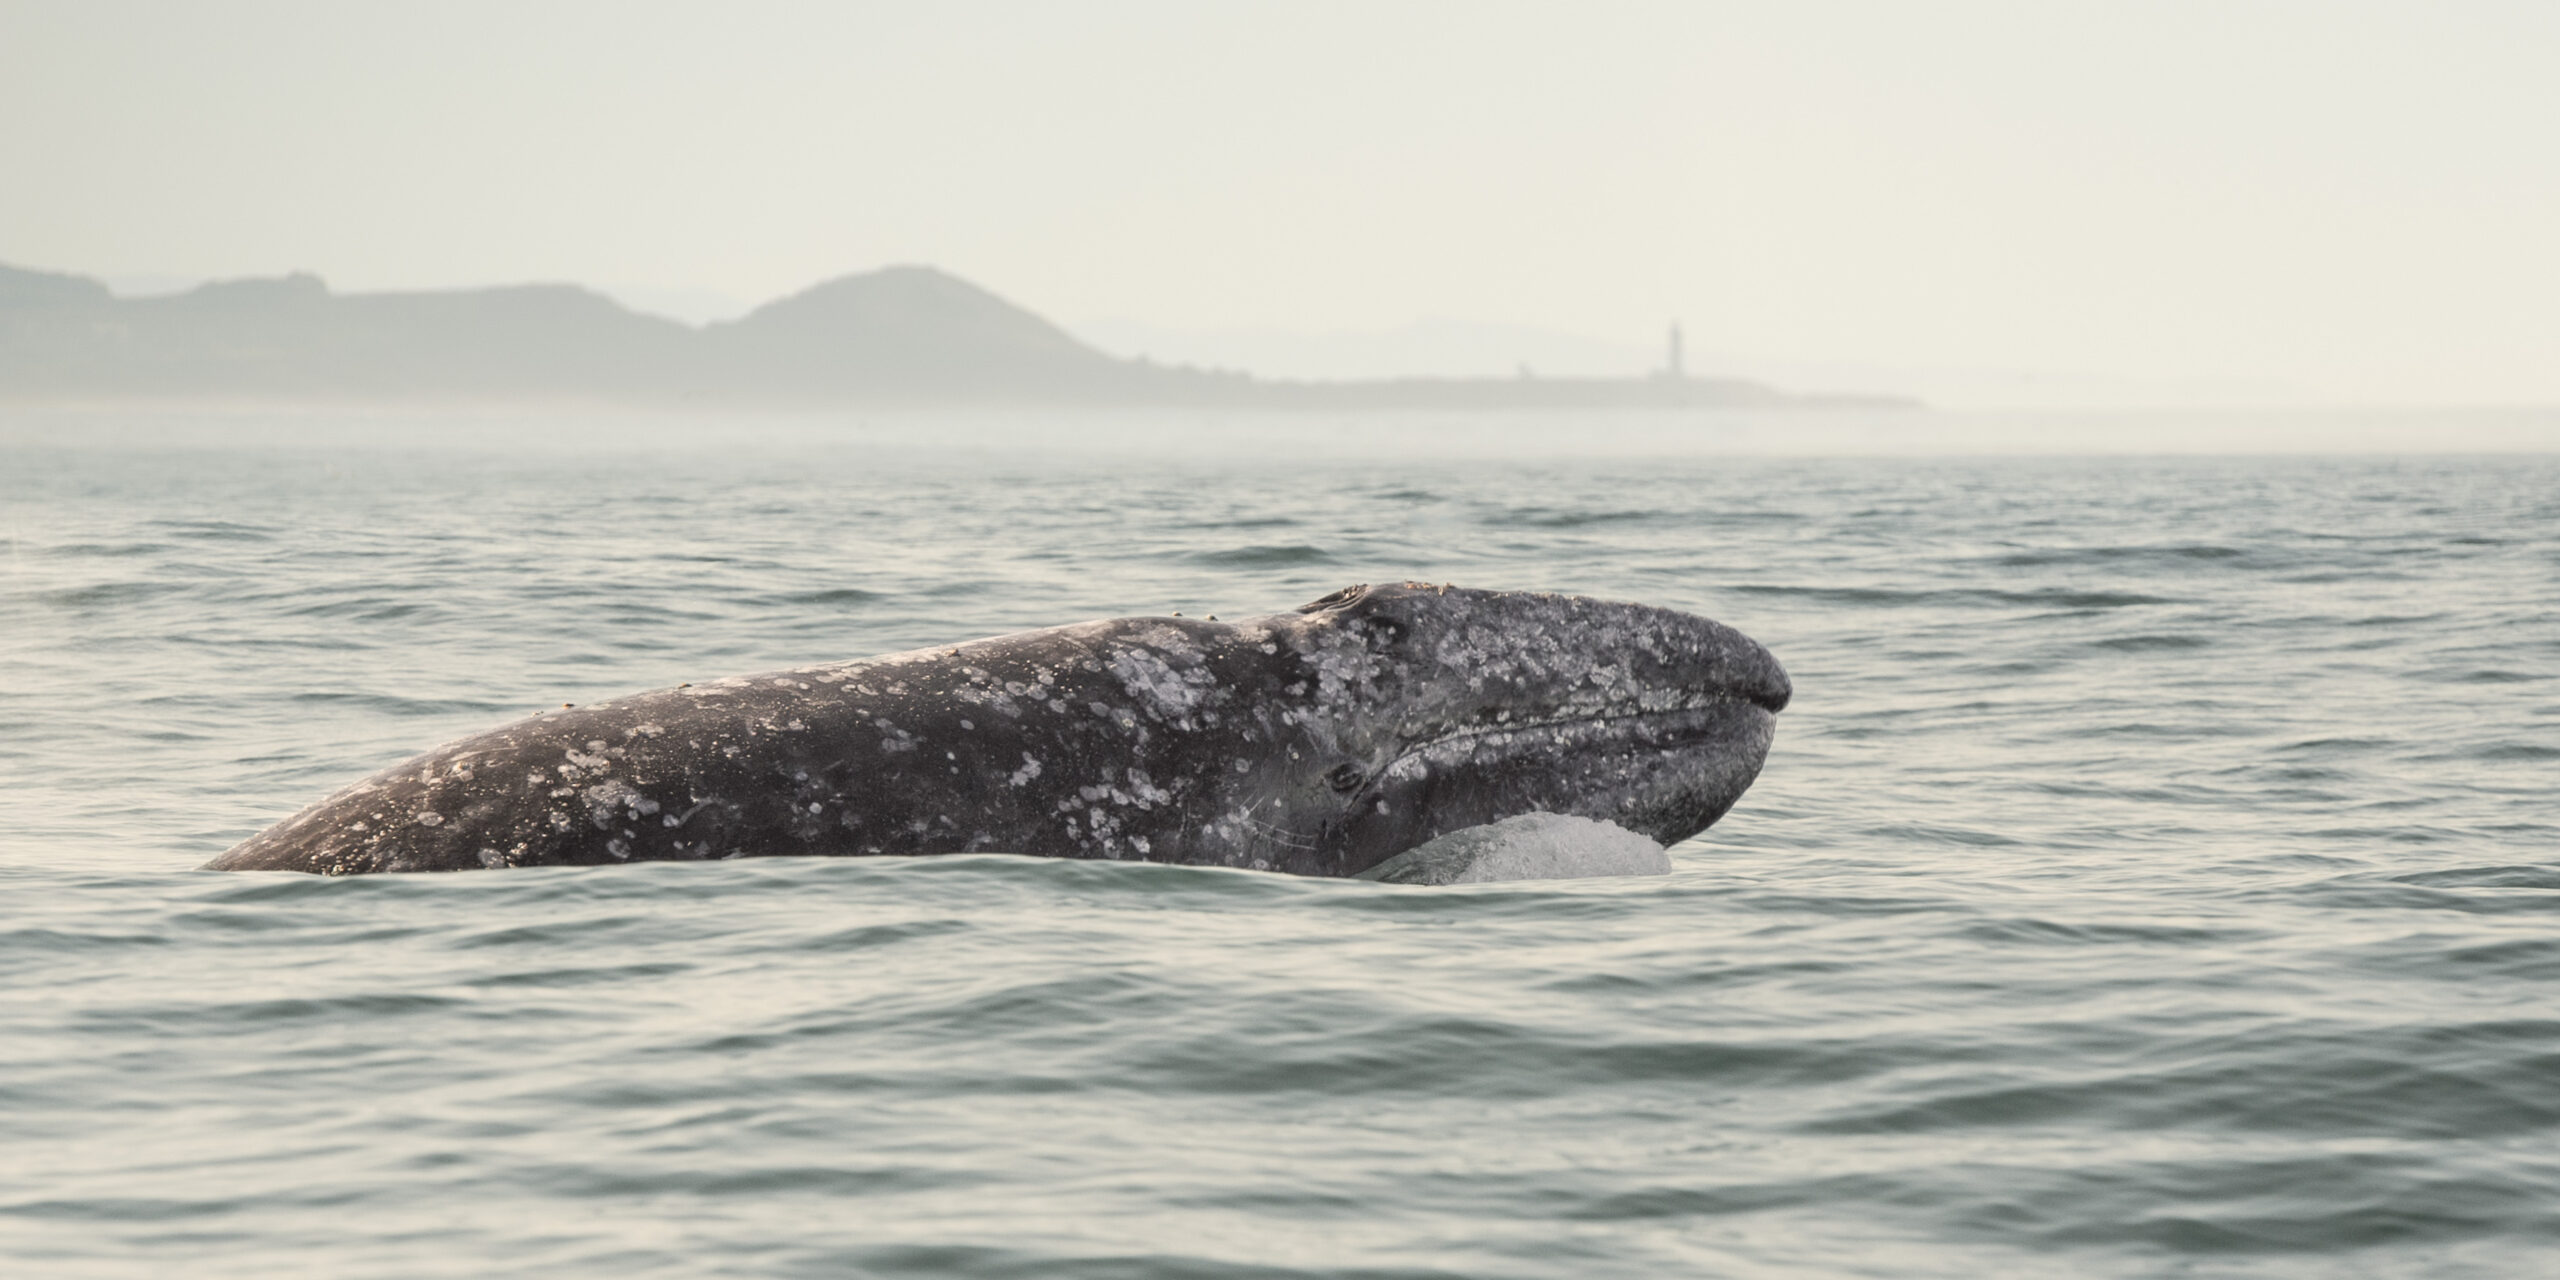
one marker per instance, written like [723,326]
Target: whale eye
[1345,777]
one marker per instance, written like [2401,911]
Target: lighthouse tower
[1672,367]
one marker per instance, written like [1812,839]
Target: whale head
[1417,710]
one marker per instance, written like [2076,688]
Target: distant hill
[901,335]
[917,333]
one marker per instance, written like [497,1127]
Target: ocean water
[2158,872]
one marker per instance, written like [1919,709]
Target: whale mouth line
[1668,717]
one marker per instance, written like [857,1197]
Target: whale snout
[1754,675]
[1555,655]
[1703,660]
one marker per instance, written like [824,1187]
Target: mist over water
[2153,874]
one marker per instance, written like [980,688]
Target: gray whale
[1319,742]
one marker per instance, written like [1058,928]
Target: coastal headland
[899,336]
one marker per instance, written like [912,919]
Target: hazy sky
[2358,199]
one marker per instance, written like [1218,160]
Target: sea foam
[1532,846]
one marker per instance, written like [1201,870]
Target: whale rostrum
[1321,742]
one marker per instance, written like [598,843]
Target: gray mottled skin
[1320,742]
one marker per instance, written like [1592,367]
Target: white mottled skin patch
[1320,741]
[1169,684]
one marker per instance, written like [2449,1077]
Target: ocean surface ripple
[2154,875]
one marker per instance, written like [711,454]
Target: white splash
[1532,846]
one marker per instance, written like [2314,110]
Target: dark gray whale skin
[1320,742]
